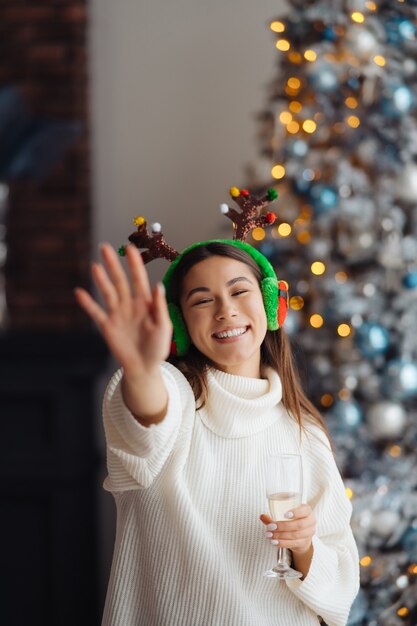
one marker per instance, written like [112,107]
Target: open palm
[135,322]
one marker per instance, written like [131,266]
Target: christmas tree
[338,140]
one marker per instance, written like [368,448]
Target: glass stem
[283,561]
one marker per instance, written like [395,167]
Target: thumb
[265,519]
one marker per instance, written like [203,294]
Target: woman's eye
[204,301]
[238,293]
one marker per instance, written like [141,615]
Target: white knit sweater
[190,549]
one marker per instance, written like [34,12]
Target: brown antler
[250,216]
[156,247]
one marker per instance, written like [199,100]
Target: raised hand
[135,322]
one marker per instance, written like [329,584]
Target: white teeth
[231,333]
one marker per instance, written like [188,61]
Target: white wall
[175,88]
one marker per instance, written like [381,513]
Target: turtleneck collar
[238,406]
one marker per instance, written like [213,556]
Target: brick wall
[44,55]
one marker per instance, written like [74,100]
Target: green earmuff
[274,294]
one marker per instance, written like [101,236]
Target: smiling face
[223,309]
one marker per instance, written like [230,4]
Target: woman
[188,442]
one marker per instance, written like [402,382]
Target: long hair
[275,350]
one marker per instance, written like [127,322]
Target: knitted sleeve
[333,579]
[135,453]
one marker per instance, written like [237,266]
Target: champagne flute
[284,486]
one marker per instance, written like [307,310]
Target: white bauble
[406,186]
[386,419]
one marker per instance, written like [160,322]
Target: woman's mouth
[233,333]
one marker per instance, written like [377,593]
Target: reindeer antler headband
[275,293]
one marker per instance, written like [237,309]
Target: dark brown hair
[275,350]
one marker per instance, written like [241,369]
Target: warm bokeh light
[344,330]
[310,55]
[349,493]
[278,171]
[318,268]
[344,394]
[295,57]
[353,121]
[285,117]
[395,451]
[371,6]
[303,237]
[326,400]
[295,106]
[403,611]
[365,561]
[351,102]
[379,60]
[413,568]
[258,234]
[309,126]
[284,229]
[293,127]
[283,45]
[316,320]
[358,17]
[277,27]
[341,277]
[294,83]
[296,303]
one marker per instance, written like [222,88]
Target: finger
[304,510]
[116,271]
[140,280]
[265,519]
[104,285]
[160,306]
[90,306]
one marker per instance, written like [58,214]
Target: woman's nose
[225,310]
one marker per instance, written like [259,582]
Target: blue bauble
[397,100]
[399,29]
[409,542]
[410,280]
[399,380]
[297,148]
[347,415]
[372,339]
[324,198]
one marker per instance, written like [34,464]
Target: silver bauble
[384,522]
[386,420]
[361,42]
[406,187]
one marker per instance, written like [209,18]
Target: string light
[258,234]
[277,27]
[310,55]
[349,493]
[294,83]
[278,171]
[303,237]
[309,126]
[318,268]
[283,45]
[344,394]
[358,17]
[295,57]
[296,303]
[285,117]
[316,320]
[403,611]
[295,106]
[351,102]
[371,6]
[293,127]
[379,60]
[395,451]
[326,400]
[366,561]
[353,121]
[344,330]
[341,277]
[284,229]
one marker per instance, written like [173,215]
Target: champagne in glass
[284,485]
